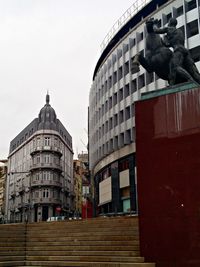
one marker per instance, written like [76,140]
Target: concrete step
[12,263]
[81,229]
[86,258]
[81,238]
[11,239]
[88,264]
[82,243]
[31,234]
[13,244]
[12,258]
[82,253]
[12,253]
[83,248]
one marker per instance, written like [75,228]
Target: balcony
[19,205]
[46,200]
[46,148]
[21,188]
[65,190]
[46,183]
[12,193]
[46,166]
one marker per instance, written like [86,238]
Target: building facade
[83,202]
[40,170]
[3,174]
[114,92]
[78,186]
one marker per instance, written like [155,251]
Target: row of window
[46,176]
[44,141]
[46,159]
[114,121]
[114,143]
[122,165]
[46,193]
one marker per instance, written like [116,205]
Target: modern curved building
[114,91]
[40,170]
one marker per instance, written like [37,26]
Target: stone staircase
[99,242]
[12,244]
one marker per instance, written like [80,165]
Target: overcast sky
[50,45]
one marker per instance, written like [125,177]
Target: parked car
[56,219]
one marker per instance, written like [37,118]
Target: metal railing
[128,14]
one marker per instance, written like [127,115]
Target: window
[45,193]
[141,82]
[119,53]
[140,36]
[37,176]
[115,120]
[106,86]
[123,165]
[127,113]
[121,116]
[133,86]
[195,53]
[120,94]
[126,68]
[126,90]
[192,28]
[38,159]
[191,5]
[128,136]
[115,99]
[114,77]
[38,141]
[47,141]
[106,106]
[121,140]
[179,11]
[132,42]
[125,48]
[110,102]
[133,110]
[116,142]
[46,158]
[149,77]
[119,73]
[110,123]
[106,126]
[110,82]
[168,16]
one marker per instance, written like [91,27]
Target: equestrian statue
[166,56]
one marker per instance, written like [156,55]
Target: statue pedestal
[168,175]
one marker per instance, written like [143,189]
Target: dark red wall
[168,176]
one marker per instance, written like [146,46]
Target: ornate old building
[40,165]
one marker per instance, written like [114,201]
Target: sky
[50,45]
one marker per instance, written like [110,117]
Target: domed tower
[47,116]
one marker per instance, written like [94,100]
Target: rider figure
[175,38]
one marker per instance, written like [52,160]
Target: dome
[47,116]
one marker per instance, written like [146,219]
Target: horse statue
[158,57]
